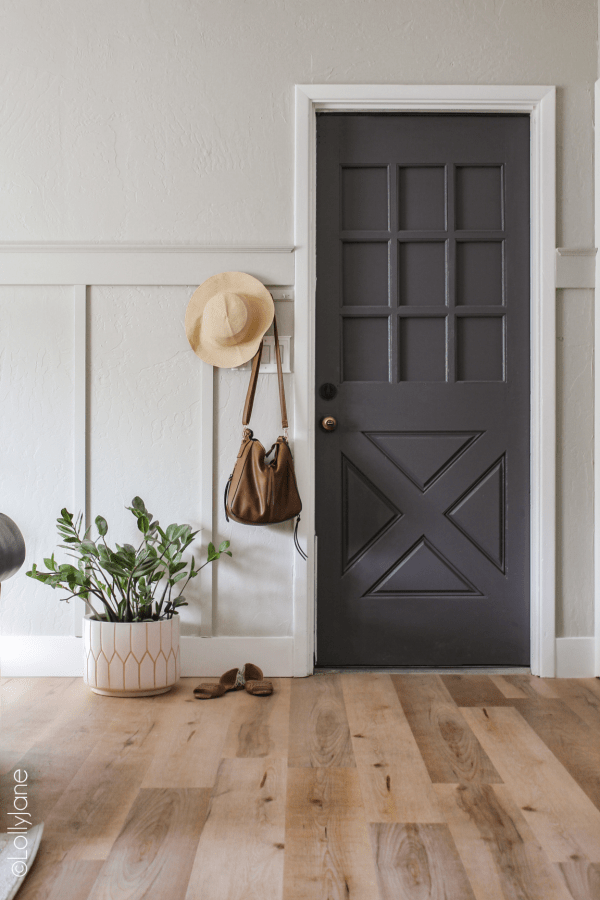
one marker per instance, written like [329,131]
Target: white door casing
[540,103]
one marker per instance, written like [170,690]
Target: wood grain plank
[240,853]
[327,850]
[47,871]
[24,724]
[418,862]
[449,748]
[88,817]
[500,853]
[571,740]
[562,817]
[154,853]
[75,880]
[47,772]
[259,726]
[16,690]
[533,687]
[474,690]
[319,732]
[582,878]
[581,698]
[9,760]
[189,738]
[395,784]
[505,687]
[593,684]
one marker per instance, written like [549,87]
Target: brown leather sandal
[229,681]
[255,683]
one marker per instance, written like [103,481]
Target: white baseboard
[23,656]
[44,655]
[575,657]
[213,656]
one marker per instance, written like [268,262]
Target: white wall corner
[575,657]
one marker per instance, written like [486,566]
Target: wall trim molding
[575,657]
[139,264]
[539,101]
[575,267]
[57,656]
[597,390]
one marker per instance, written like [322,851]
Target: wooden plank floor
[337,787]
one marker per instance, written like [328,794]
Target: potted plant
[131,635]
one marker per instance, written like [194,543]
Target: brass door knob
[328,423]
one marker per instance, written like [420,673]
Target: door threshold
[426,670]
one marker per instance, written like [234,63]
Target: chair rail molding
[139,264]
[539,101]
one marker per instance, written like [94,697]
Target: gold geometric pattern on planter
[131,659]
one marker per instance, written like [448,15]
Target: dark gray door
[422,324]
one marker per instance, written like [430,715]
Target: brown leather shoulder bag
[263,491]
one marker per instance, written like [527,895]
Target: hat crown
[227,316]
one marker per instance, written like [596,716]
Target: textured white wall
[144,414]
[36,448]
[172,120]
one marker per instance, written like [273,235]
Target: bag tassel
[297,542]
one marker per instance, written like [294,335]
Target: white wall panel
[144,414]
[575,448]
[254,588]
[36,448]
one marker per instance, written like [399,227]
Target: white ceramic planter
[131,659]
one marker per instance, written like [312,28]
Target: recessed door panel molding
[367,513]
[423,572]
[423,456]
[480,513]
[416,507]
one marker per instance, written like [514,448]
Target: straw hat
[227,317]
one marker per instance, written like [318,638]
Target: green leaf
[143,524]
[224,546]
[101,525]
[138,503]
[49,563]
[177,578]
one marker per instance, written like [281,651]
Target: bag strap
[254,378]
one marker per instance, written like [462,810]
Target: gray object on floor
[12,548]
[10,879]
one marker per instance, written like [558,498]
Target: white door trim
[539,102]
[597,396]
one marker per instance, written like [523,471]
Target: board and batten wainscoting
[70,273]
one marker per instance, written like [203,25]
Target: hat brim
[237,283]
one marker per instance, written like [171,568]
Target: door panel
[422,503]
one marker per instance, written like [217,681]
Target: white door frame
[540,103]
[597,393]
